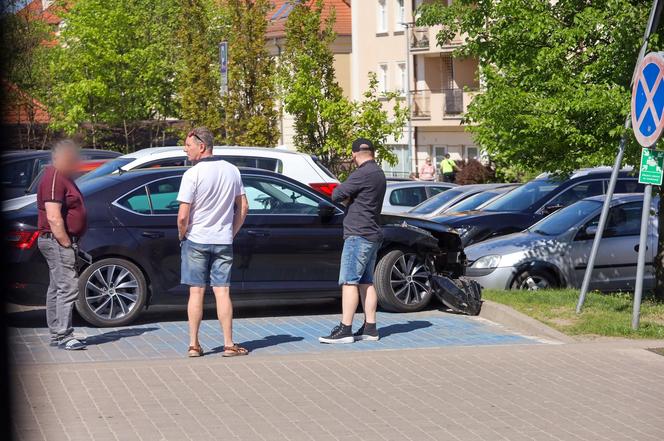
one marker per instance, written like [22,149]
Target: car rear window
[322,167]
[408,197]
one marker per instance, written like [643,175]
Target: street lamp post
[409,96]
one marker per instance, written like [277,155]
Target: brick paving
[438,377]
[262,335]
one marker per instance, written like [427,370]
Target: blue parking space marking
[262,336]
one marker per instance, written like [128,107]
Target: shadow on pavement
[111,336]
[265,342]
[401,328]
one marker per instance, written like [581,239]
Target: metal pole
[409,96]
[653,23]
[641,261]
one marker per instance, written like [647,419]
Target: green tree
[325,121]
[23,61]
[201,24]
[251,114]
[556,77]
[114,65]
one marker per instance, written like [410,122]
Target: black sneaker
[340,334]
[72,345]
[368,331]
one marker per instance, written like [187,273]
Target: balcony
[428,105]
[419,39]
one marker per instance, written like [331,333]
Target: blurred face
[66,160]
[193,148]
[428,161]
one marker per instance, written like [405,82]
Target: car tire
[534,279]
[413,293]
[111,292]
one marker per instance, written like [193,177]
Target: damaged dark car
[288,248]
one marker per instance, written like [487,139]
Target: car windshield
[566,218]
[523,197]
[105,169]
[432,204]
[473,202]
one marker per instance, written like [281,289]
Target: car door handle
[636,248]
[153,234]
[258,233]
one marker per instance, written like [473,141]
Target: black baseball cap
[362,144]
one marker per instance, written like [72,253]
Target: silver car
[438,204]
[401,196]
[554,252]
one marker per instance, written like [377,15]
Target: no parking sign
[648,99]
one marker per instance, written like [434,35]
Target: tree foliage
[556,76]
[114,64]
[326,122]
[251,114]
[201,23]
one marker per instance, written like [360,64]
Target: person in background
[427,171]
[362,193]
[62,220]
[448,168]
[213,207]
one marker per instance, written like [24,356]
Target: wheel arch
[538,265]
[141,268]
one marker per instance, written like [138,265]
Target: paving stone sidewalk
[589,391]
[263,336]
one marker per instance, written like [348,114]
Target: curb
[511,318]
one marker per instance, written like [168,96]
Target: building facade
[407,59]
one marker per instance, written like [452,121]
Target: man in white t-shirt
[213,207]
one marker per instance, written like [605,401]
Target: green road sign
[652,164]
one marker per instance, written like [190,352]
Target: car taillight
[324,187]
[23,240]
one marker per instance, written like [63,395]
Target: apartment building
[275,40]
[406,58]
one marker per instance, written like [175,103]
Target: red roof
[14,109]
[282,8]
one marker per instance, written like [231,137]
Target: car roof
[405,184]
[618,198]
[480,187]
[230,149]
[588,171]
[28,153]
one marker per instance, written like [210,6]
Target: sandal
[194,351]
[234,351]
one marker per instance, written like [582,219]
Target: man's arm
[57,223]
[241,210]
[347,190]
[183,219]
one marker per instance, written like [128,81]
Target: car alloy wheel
[402,282]
[534,280]
[410,279]
[111,292]
[534,283]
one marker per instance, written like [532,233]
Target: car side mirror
[587,233]
[326,210]
[551,208]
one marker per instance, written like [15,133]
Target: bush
[473,171]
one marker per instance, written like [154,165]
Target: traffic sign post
[648,123]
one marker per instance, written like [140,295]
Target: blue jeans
[358,261]
[204,264]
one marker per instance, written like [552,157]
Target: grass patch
[608,315]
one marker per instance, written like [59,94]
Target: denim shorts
[358,261]
[206,264]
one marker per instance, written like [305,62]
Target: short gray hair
[202,135]
[64,144]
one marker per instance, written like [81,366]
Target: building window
[439,154]
[472,153]
[402,167]
[400,15]
[382,16]
[402,80]
[382,78]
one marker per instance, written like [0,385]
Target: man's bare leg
[369,302]
[350,298]
[222,295]
[195,313]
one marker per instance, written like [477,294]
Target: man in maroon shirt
[62,221]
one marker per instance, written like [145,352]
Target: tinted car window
[577,192]
[628,186]
[163,195]
[136,201]
[254,162]
[433,191]
[17,174]
[434,203]
[105,169]
[275,197]
[169,162]
[408,197]
[624,220]
[566,218]
[473,202]
[523,197]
